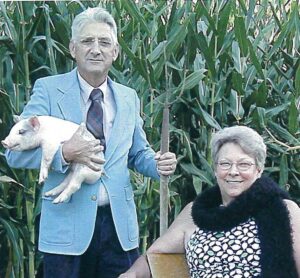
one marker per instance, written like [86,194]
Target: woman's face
[235,171]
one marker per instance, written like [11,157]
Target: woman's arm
[294,212]
[172,241]
[140,269]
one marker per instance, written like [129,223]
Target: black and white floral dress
[233,253]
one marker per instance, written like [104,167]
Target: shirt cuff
[63,161]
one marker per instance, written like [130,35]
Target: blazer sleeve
[141,155]
[39,105]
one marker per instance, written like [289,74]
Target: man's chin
[96,69]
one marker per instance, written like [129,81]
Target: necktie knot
[96,94]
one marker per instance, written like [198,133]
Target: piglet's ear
[34,122]
[16,118]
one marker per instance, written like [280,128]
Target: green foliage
[221,63]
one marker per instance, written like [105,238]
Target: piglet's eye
[22,131]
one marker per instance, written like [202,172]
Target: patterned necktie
[94,120]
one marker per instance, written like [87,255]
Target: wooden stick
[164,180]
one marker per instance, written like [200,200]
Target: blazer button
[94,198]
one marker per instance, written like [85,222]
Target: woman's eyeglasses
[241,166]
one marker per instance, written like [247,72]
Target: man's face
[94,50]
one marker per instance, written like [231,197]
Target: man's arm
[142,157]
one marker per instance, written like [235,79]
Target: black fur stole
[263,201]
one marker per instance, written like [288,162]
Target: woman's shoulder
[188,208]
[291,205]
[294,214]
[184,221]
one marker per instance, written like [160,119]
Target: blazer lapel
[119,126]
[69,101]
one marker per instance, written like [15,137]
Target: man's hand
[166,163]
[79,150]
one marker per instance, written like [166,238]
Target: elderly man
[94,233]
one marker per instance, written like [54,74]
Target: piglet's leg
[72,187]
[74,181]
[47,157]
[60,188]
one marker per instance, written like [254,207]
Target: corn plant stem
[17,95]
[27,79]
[30,222]
[10,260]
[22,268]
[212,111]
[29,212]
[49,44]
[145,236]
[152,93]
[25,57]
[21,243]
[29,204]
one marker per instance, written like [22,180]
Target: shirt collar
[86,88]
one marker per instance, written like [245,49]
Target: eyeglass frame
[104,44]
[237,165]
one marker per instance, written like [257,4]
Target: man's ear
[72,48]
[116,52]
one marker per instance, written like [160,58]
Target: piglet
[48,133]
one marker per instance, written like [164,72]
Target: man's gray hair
[93,15]
[247,138]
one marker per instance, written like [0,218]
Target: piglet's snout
[5,144]
[8,144]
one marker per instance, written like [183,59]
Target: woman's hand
[139,269]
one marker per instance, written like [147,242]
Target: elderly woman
[246,226]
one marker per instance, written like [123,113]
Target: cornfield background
[222,62]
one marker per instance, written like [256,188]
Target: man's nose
[96,47]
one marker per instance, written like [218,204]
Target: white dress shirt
[109,113]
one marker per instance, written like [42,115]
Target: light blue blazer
[67,228]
